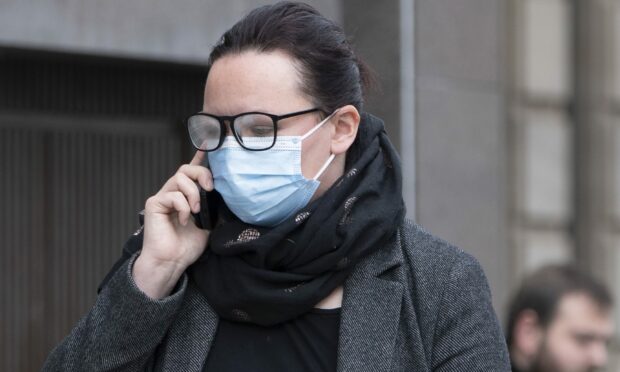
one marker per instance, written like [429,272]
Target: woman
[311,264]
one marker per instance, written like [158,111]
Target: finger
[182,207]
[201,159]
[198,158]
[175,202]
[190,190]
[194,173]
[205,180]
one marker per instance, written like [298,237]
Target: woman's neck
[332,301]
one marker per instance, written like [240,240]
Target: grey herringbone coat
[421,305]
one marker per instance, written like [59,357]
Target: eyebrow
[593,336]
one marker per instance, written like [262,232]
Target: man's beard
[545,362]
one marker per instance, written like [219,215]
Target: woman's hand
[172,241]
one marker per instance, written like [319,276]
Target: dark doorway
[84,140]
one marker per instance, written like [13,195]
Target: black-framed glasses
[254,131]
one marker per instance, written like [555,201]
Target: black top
[306,343]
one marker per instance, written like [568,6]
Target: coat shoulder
[449,296]
[431,256]
[436,273]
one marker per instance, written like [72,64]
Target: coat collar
[370,313]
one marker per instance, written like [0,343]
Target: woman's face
[269,82]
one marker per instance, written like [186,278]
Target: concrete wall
[461,151]
[181,30]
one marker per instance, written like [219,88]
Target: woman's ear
[345,124]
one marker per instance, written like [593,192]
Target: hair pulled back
[332,75]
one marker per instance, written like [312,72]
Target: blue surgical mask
[264,187]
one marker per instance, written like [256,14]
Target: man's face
[576,339]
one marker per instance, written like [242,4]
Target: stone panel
[546,160]
[546,42]
[459,39]
[545,247]
[616,170]
[615,48]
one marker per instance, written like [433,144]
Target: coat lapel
[189,341]
[370,314]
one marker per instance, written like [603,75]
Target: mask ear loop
[332,156]
[316,127]
[324,167]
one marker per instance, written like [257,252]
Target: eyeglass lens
[254,131]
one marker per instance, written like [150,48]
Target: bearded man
[560,320]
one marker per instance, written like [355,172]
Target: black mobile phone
[209,205]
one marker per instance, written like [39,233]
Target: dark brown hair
[331,73]
[542,291]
